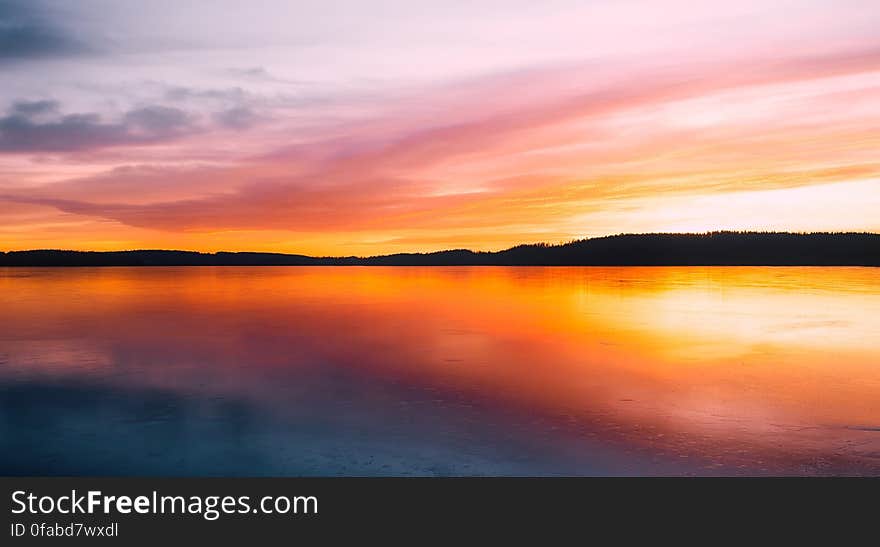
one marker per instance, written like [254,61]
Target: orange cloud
[543,155]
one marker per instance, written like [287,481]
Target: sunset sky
[369,127]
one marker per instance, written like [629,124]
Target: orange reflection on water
[749,370]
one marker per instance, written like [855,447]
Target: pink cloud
[517,149]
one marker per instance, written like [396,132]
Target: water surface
[439,371]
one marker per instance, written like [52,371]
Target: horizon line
[457,249]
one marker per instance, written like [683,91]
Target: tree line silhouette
[666,249]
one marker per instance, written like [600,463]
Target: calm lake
[439,371]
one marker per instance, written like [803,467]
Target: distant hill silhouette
[710,249]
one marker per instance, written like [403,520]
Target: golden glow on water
[759,369]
